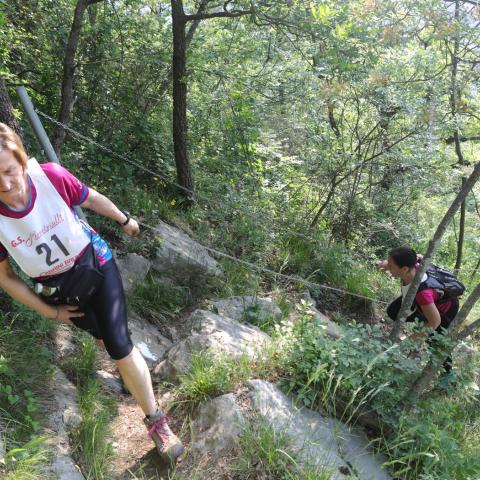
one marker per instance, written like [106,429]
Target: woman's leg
[394,308]
[136,375]
[111,317]
[111,312]
[446,320]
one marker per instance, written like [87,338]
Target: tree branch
[469,330]
[451,140]
[206,16]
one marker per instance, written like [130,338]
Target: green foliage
[92,436]
[438,439]
[26,462]
[326,368]
[238,280]
[23,337]
[94,433]
[359,370]
[21,380]
[159,300]
[266,453]
[210,376]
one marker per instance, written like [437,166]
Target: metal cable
[111,152]
[293,278]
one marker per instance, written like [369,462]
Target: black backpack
[442,280]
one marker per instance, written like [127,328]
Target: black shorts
[106,314]
[446,318]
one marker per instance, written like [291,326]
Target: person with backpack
[436,303]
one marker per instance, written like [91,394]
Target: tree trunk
[68,97]
[6,110]
[184,173]
[431,369]
[456,136]
[432,247]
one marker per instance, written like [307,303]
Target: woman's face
[394,269]
[13,179]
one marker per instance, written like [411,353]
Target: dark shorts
[106,314]
[446,318]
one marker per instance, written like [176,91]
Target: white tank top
[406,288]
[49,238]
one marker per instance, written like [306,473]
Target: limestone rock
[181,257]
[210,331]
[64,347]
[66,414]
[332,329]
[316,439]
[133,269]
[177,361]
[234,337]
[63,414]
[110,382]
[251,309]
[146,337]
[218,425]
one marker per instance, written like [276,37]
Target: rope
[111,152]
[293,278]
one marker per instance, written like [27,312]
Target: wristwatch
[122,224]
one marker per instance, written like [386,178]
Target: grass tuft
[266,453]
[92,437]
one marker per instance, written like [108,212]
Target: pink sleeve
[72,190]
[426,297]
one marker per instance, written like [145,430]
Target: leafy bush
[359,364]
[436,438]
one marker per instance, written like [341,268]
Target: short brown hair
[11,142]
[404,256]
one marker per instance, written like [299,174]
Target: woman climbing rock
[76,279]
[434,304]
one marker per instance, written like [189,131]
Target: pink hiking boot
[168,444]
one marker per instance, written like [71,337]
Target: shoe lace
[160,427]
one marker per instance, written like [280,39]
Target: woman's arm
[19,291]
[432,315]
[104,206]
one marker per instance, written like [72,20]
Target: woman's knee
[119,351]
[394,308]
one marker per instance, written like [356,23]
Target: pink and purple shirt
[73,192]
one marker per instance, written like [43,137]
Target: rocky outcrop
[133,269]
[180,257]
[210,331]
[146,337]
[316,439]
[218,425]
[249,309]
[62,415]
